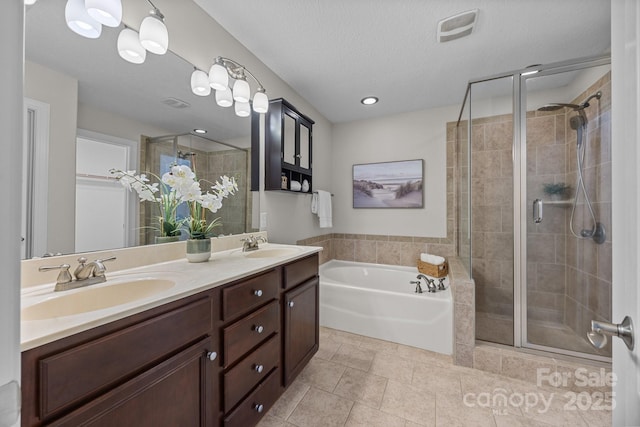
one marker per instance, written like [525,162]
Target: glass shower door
[568,209]
[491,208]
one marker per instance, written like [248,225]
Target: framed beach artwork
[389,184]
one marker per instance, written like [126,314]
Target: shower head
[556,106]
[183,155]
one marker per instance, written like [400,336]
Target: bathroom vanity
[221,356]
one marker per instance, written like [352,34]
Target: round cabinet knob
[258,407]
[259,329]
[258,292]
[212,355]
[291,303]
[259,368]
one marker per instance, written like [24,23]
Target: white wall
[415,135]
[11,84]
[108,123]
[61,93]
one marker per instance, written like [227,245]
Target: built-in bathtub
[377,301]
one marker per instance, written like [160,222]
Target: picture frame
[389,185]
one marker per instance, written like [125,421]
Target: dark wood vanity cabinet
[288,141]
[159,367]
[220,357]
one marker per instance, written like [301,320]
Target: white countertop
[190,278]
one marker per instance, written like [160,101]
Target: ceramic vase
[198,250]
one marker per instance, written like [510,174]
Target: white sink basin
[92,299]
[272,252]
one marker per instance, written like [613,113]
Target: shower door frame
[520,193]
[519,153]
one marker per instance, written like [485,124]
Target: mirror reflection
[89,111]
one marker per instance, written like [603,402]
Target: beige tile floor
[359,381]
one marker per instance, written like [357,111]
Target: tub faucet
[431,284]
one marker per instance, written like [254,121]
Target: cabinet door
[289,139]
[301,328]
[305,146]
[182,391]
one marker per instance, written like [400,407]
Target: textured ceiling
[335,52]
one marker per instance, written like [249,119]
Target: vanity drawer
[300,271]
[239,299]
[247,333]
[249,412]
[250,371]
[85,370]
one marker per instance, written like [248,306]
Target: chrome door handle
[537,211]
[599,331]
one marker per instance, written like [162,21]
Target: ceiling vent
[457,26]
[176,103]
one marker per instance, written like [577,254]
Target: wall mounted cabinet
[288,136]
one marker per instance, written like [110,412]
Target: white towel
[321,205]
[431,259]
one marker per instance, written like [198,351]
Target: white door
[105,211]
[625,54]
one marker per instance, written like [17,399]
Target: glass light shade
[106,12]
[218,77]
[129,47]
[200,83]
[243,109]
[154,35]
[224,98]
[79,21]
[260,102]
[241,91]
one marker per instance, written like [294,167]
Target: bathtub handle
[291,304]
[258,292]
[259,329]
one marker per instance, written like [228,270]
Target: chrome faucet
[431,284]
[86,274]
[251,243]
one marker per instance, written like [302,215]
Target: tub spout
[431,284]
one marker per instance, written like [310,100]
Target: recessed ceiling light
[369,100]
[200,131]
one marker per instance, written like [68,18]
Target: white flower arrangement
[180,185]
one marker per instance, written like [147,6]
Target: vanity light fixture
[129,47]
[200,83]
[153,32]
[239,93]
[106,12]
[79,21]
[369,100]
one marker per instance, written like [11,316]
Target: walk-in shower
[533,190]
[210,159]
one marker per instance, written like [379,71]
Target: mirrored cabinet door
[305,144]
[289,140]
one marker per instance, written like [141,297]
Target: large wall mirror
[88,110]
